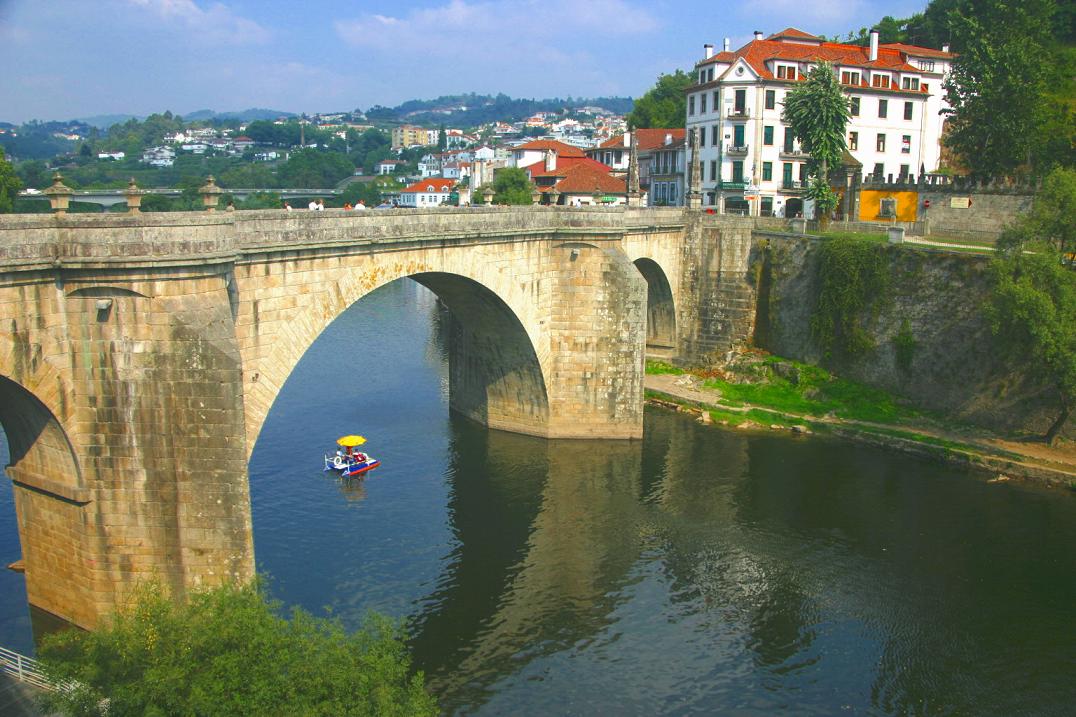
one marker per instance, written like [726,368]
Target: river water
[698,571]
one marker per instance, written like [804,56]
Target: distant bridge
[110,197]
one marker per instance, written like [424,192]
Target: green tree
[228,652]
[1033,313]
[816,111]
[664,104]
[511,186]
[1003,117]
[9,185]
[1050,219]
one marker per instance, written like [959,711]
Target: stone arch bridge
[140,355]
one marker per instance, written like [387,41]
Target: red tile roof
[918,51]
[432,184]
[792,32]
[564,164]
[648,138]
[757,52]
[583,178]
[562,150]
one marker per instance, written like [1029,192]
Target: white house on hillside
[430,192]
[750,164]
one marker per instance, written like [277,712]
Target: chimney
[874,45]
[627,139]
[708,50]
[758,34]
[726,44]
[550,160]
[945,48]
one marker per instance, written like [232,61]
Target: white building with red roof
[750,162]
[429,192]
[530,152]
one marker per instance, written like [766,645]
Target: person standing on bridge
[360,204]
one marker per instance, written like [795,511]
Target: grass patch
[881,238]
[939,442]
[656,368]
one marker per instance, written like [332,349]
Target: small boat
[349,462]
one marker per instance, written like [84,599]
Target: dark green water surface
[698,571]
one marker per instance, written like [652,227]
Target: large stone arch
[498,359]
[57,526]
[660,310]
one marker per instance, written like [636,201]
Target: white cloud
[506,24]
[215,22]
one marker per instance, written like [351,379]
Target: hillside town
[733,152]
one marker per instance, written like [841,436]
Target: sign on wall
[960,202]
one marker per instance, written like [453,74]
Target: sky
[65,59]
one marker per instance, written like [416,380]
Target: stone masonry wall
[956,367]
[985,219]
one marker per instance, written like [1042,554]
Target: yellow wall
[870,204]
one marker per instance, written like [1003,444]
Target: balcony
[787,152]
[793,186]
[739,113]
[736,149]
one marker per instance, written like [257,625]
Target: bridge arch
[660,310]
[496,374]
[56,529]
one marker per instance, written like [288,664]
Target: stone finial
[134,197]
[487,196]
[536,196]
[59,194]
[554,196]
[210,194]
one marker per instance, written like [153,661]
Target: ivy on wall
[853,284]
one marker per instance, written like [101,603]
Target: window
[925,87]
[849,78]
[879,80]
[702,76]
[691,105]
[854,109]
[717,103]
[880,143]
[883,108]
[786,175]
[710,75]
[702,137]
[737,136]
[908,110]
[926,65]
[714,136]
[879,171]
[767,171]
[702,103]
[771,99]
[803,173]
[767,135]
[906,144]
[853,141]
[905,170]
[713,170]
[786,72]
[789,138]
[740,102]
[910,83]
[737,171]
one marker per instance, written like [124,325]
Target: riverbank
[766,393]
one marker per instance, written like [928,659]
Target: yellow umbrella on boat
[350,441]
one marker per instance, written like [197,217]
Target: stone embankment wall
[981,214]
[956,366]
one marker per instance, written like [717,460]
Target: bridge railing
[23,668]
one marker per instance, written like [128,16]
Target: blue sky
[62,59]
